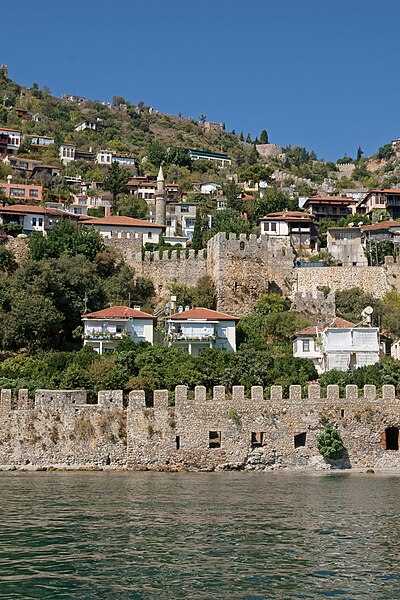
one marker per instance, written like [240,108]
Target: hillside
[146,134]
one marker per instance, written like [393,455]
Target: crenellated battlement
[196,429]
[59,400]
[174,255]
[185,397]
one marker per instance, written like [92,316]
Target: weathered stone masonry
[59,429]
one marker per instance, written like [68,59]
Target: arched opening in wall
[241,245]
[392,438]
[214,439]
[300,440]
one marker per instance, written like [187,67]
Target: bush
[330,444]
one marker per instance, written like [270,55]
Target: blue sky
[319,73]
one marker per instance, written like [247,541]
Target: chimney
[107,211]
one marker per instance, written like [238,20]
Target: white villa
[106,225]
[196,329]
[103,329]
[339,345]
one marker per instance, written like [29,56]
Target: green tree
[248,139]
[351,302]
[264,137]
[132,206]
[179,157]
[232,193]
[359,153]
[157,153]
[385,152]
[65,237]
[8,263]
[330,443]
[200,226]
[241,136]
[116,182]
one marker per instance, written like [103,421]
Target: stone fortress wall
[225,431]
[242,269]
[245,267]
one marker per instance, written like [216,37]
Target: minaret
[161,216]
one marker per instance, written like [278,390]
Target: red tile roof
[383,191]
[337,322]
[203,314]
[290,215]
[380,226]
[123,222]
[23,209]
[118,312]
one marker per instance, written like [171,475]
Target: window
[177,442]
[17,192]
[214,439]
[34,222]
[224,332]
[139,330]
[33,193]
[257,438]
[300,440]
[119,329]
[306,345]
[40,221]
[266,226]
[273,226]
[184,208]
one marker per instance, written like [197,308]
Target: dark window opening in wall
[392,438]
[257,438]
[300,440]
[342,413]
[241,245]
[178,442]
[214,438]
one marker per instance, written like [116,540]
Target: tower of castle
[161,217]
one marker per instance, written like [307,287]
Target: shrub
[330,444]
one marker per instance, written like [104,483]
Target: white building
[40,141]
[32,218]
[339,345]
[86,125]
[221,160]
[12,140]
[106,157]
[151,232]
[67,153]
[103,329]
[299,226]
[210,187]
[196,329]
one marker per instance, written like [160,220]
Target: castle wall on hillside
[372,280]
[244,268]
[200,432]
[176,266]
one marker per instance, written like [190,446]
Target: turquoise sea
[249,536]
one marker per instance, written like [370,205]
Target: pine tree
[264,137]
[241,136]
[359,153]
[197,239]
[248,139]
[116,183]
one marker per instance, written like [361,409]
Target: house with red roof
[103,329]
[338,344]
[32,218]
[298,225]
[151,232]
[193,330]
[381,200]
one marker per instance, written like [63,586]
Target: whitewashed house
[339,345]
[103,329]
[86,125]
[32,218]
[10,140]
[67,153]
[196,329]
[151,232]
[106,157]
